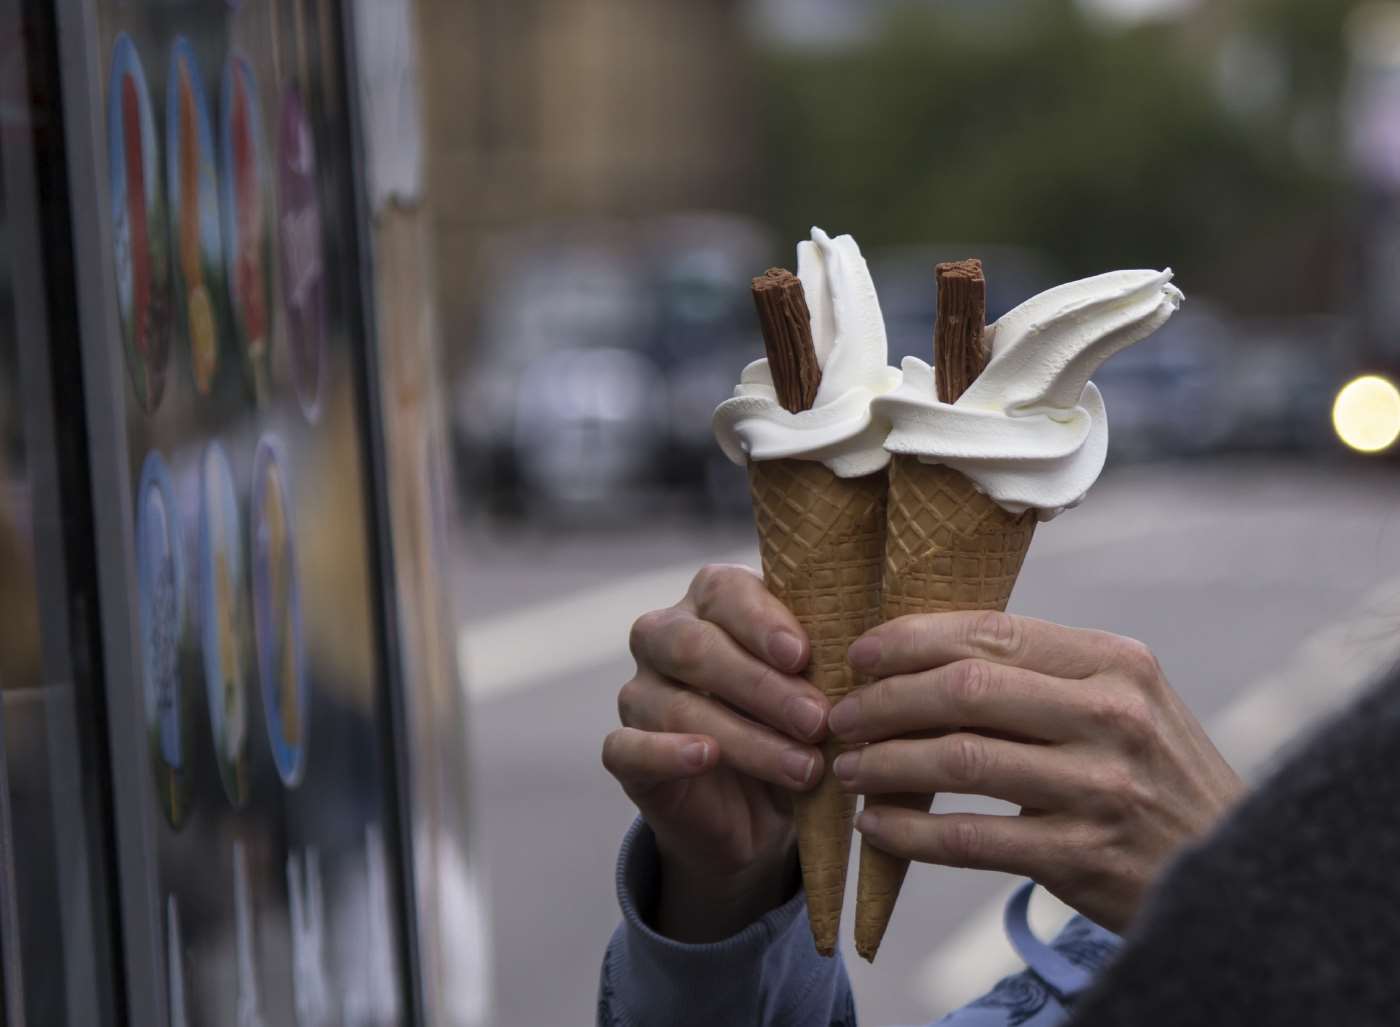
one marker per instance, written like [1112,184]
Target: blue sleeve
[768,975]
[1056,975]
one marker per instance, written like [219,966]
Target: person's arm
[718,729]
[767,974]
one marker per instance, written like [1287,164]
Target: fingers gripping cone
[947,547]
[821,540]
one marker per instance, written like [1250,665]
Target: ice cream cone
[947,547]
[822,542]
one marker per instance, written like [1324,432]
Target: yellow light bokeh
[1366,414]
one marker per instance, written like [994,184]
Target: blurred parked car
[605,347]
[1168,395]
[603,352]
[559,400]
[1284,375]
[706,332]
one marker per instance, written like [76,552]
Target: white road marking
[542,642]
[1330,668]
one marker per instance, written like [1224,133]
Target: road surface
[1270,592]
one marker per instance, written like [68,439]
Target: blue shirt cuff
[769,974]
[1056,975]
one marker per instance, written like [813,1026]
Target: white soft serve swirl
[848,333]
[1031,431]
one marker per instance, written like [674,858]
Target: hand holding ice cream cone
[979,454]
[719,747]
[718,731]
[1077,727]
[719,737]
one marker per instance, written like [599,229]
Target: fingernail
[804,715]
[845,765]
[784,649]
[868,822]
[843,717]
[865,653]
[798,765]
[693,755]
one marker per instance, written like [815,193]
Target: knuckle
[876,702]
[963,843]
[733,597]
[682,711]
[1126,718]
[628,702]
[611,743]
[995,632]
[761,690]
[644,630]
[1096,847]
[709,583]
[1113,790]
[1139,793]
[898,833]
[969,681]
[964,760]
[689,645]
[1137,660]
[1077,862]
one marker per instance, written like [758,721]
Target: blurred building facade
[539,110]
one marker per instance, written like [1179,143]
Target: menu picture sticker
[141,238]
[160,583]
[245,198]
[299,236]
[277,629]
[221,585]
[193,187]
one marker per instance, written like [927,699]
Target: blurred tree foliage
[1029,123]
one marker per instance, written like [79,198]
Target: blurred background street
[1269,590]
[488,275]
[608,175]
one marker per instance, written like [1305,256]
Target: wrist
[695,907]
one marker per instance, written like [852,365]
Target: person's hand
[1079,728]
[717,729]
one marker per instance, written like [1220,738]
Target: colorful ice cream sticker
[221,586]
[193,185]
[299,235]
[245,203]
[277,613]
[140,232]
[160,582]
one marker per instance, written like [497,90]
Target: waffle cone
[947,547]
[822,540]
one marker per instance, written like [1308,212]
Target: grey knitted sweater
[1290,912]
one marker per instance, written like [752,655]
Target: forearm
[767,973]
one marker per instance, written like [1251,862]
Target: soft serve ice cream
[1031,430]
[848,334]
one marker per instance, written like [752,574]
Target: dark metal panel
[114,531]
[11,974]
[57,780]
[393,718]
